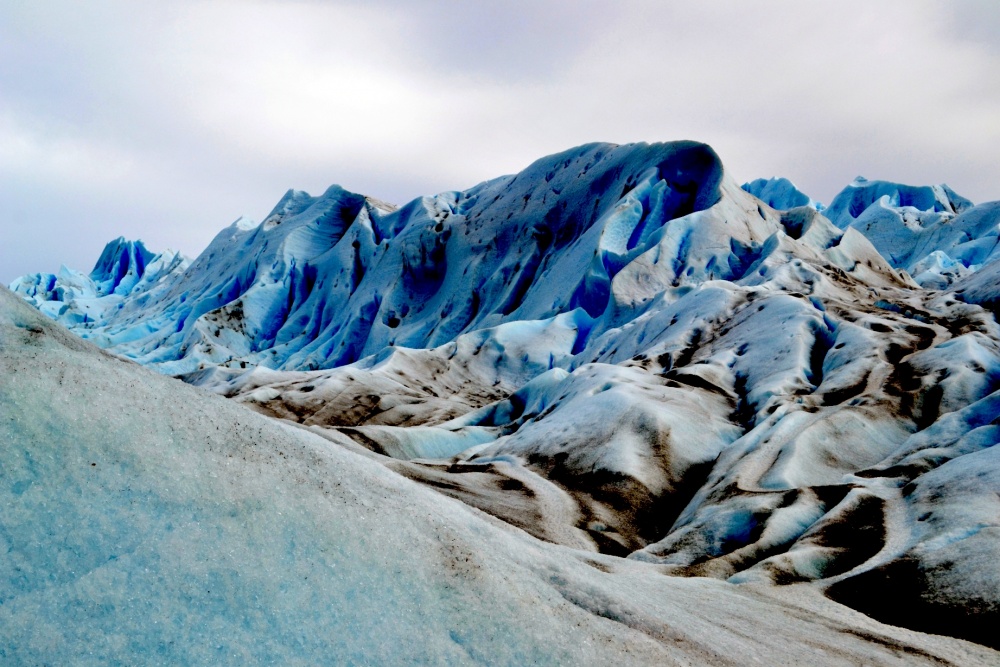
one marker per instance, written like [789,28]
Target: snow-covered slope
[981,287]
[150,522]
[620,350]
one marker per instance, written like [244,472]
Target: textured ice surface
[931,232]
[150,522]
[325,281]
[860,195]
[621,351]
[125,269]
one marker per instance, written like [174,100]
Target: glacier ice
[124,269]
[147,521]
[780,193]
[933,233]
[620,352]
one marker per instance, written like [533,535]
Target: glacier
[616,354]
[780,193]
[148,521]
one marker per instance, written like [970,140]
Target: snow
[595,233]
[943,565]
[981,287]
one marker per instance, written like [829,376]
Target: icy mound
[931,232]
[981,287]
[939,574]
[860,195]
[780,194]
[120,266]
[148,521]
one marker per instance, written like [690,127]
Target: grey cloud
[518,40]
[166,121]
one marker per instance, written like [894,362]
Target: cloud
[166,121]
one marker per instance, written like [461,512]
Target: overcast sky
[166,121]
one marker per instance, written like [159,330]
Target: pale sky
[166,121]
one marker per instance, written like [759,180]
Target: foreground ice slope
[147,521]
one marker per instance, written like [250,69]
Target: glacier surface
[625,355]
[146,521]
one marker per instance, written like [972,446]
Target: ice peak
[780,194]
[120,265]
